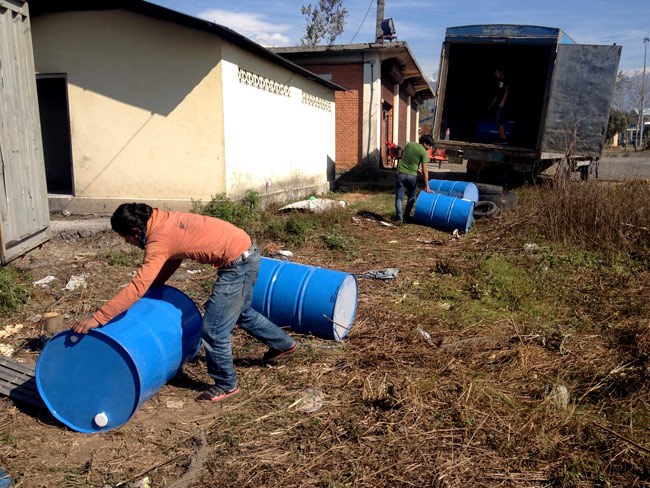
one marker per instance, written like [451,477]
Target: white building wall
[145,117]
[274,141]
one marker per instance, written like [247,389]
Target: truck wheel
[484,209]
[588,172]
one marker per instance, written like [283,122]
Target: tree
[618,122]
[325,21]
[627,90]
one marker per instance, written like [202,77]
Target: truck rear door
[580,97]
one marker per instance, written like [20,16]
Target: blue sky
[422,23]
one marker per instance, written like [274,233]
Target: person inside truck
[415,154]
[500,100]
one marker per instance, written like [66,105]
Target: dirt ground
[164,443]
[408,399]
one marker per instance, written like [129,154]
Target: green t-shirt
[414,154]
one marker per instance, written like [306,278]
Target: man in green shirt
[415,154]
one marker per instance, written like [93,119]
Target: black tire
[484,209]
[507,200]
[488,189]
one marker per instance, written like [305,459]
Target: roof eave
[40,7]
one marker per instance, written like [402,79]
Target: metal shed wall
[24,212]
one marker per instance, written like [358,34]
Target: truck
[558,104]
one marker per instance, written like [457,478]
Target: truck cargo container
[559,100]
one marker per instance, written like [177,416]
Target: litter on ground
[316,205]
[380,274]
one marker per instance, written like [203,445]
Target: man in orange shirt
[169,237]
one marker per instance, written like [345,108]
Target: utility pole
[640,126]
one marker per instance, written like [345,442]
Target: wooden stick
[622,437]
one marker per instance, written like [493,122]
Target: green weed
[126,259]
[7,438]
[238,212]
[297,228]
[13,295]
[336,240]
[505,285]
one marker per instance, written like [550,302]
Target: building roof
[40,7]
[398,50]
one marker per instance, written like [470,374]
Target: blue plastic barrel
[487,130]
[308,299]
[459,189]
[443,212]
[95,382]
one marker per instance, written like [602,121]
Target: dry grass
[483,364]
[515,356]
[612,218]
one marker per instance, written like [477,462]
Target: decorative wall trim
[317,102]
[262,83]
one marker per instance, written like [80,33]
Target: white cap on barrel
[101,420]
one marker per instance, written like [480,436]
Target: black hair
[426,139]
[129,216]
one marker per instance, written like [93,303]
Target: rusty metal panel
[580,99]
[24,212]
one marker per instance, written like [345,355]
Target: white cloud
[253,26]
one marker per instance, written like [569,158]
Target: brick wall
[349,110]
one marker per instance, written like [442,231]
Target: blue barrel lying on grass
[443,212]
[308,299]
[458,189]
[95,382]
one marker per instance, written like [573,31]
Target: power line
[364,19]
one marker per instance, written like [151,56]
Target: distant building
[385,87]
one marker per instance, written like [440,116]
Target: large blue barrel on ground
[95,382]
[443,212]
[459,189]
[308,299]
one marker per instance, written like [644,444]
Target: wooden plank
[15,365]
[18,383]
[10,378]
[24,211]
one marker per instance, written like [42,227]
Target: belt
[242,257]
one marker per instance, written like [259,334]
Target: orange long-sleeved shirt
[170,238]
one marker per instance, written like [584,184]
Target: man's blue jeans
[230,304]
[405,184]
